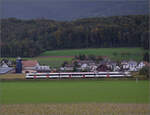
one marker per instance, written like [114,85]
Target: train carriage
[78,75]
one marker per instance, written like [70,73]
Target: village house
[3,64]
[140,65]
[113,66]
[67,68]
[102,68]
[132,65]
[43,69]
[103,65]
[4,68]
[88,62]
[93,68]
[29,66]
[124,65]
[84,67]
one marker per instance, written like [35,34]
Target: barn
[29,66]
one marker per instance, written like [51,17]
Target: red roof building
[29,66]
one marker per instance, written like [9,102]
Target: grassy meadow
[113,53]
[52,61]
[75,97]
[74,91]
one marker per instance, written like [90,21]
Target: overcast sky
[70,9]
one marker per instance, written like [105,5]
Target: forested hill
[27,38]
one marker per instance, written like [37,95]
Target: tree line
[29,38]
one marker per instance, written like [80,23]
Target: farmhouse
[67,68]
[43,69]
[102,67]
[141,65]
[132,65]
[29,66]
[4,68]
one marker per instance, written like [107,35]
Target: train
[77,75]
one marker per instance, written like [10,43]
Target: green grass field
[52,61]
[116,54]
[134,53]
[78,91]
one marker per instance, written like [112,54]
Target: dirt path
[75,109]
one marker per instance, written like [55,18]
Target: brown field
[75,109]
[12,76]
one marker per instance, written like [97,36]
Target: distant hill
[72,9]
[29,38]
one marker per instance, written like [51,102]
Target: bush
[146,57]
[92,57]
[144,71]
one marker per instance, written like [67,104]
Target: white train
[77,75]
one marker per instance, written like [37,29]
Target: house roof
[124,61]
[44,68]
[132,62]
[102,62]
[147,64]
[112,63]
[3,64]
[5,69]
[30,63]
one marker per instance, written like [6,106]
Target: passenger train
[78,75]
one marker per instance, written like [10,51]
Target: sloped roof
[30,63]
[132,62]
[5,69]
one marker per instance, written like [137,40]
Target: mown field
[113,53]
[74,91]
[57,57]
[72,97]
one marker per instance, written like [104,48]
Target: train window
[43,75]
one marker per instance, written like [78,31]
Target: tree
[145,71]
[64,64]
[28,38]
[145,40]
[92,57]
[82,56]
[146,57]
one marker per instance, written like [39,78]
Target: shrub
[144,71]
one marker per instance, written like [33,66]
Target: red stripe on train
[83,76]
[70,76]
[47,76]
[108,75]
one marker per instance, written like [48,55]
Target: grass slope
[55,58]
[133,52]
[69,91]
[53,61]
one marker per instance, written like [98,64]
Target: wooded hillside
[28,38]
